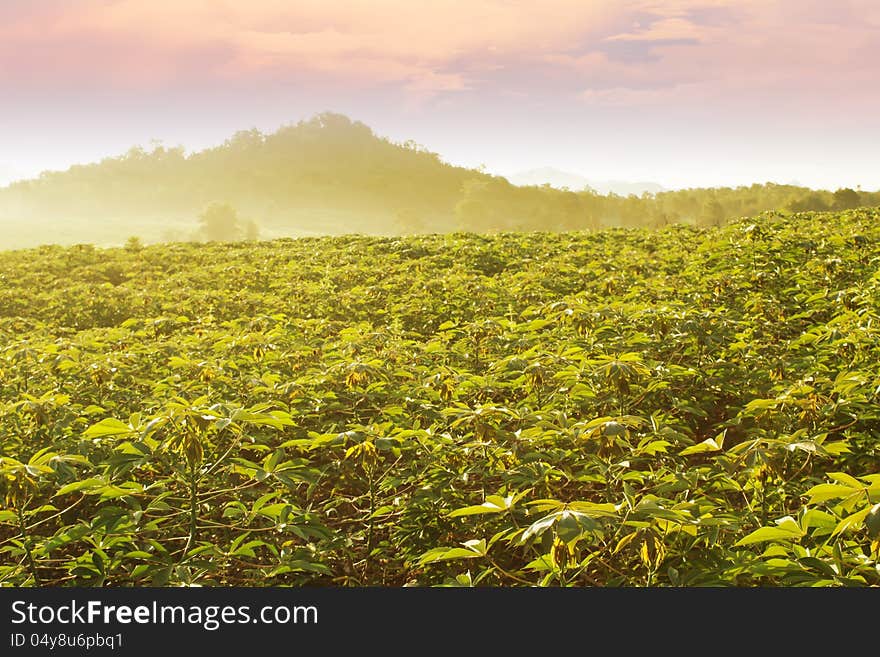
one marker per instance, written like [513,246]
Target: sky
[686,93]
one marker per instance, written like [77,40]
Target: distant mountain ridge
[576,182]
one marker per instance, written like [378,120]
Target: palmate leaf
[568,524]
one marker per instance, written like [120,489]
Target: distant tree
[712,214]
[134,244]
[814,201]
[251,230]
[846,199]
[473,212]
[659,218]
[220,223]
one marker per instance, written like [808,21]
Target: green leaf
[872,521]
[787,529]
[85,484]
[836,448]
[570,525]
[824,492]
[708,445]
[300,566]
[108,427]
[543,563]
[493,504]
[275,419]
[472,550]
[845,479]
[274,511]
[814,518]
[594,509]
[138,554]
[852,521]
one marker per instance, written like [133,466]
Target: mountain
[575,182]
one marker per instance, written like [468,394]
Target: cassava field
[624,407]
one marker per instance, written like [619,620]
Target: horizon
[682,93]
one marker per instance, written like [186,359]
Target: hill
[330,175]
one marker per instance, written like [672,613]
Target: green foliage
[679,407]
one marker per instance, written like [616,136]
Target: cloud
[591,50]
[663,30]
[629,97]
[640,51]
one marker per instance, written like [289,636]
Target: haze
[683,93]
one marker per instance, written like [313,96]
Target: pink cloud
[580,49]
[630,97]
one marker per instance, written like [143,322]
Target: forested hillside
[332,175]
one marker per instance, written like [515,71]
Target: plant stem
[193,506]
[193,512]
[371,523]
[26,539]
